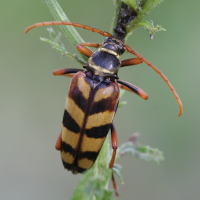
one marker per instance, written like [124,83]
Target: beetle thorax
[105,62]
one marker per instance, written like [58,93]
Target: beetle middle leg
[131,61]
[132,88]
[130,50]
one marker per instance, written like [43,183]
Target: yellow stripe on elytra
[85,163]
[100,119]
[75,112]
[69,137]
[67,157]
[91,144]
[84,87]
[103,93]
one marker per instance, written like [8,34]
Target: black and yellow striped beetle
[93,99]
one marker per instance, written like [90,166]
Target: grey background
[32,102]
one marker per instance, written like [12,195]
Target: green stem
[69,31]
[141,8]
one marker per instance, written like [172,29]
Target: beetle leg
[114,146]
[131,61]
[114,185]
[132,88]
[84,50]
[66,72]
[58,143]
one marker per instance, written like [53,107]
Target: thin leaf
[133,4]
[150,27]
[142,8]
[90,186]
[61,50]
[148,5]
[121,103]
[56,43]
[143,152]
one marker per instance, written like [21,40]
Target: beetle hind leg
[58,143]
[114,146]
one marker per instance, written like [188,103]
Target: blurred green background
[32,102]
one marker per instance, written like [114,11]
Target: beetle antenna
[130,50]
[106,34]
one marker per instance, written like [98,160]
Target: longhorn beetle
[93,99]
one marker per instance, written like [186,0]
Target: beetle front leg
[84,50]
[66,72]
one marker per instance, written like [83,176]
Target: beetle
[93,99]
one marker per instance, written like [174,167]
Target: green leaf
[148,153]
[122,92]
[56,43]
[148,5]
[143,152]
[133,4]
[150,27]
[142,8]
[121,103]
[93,186]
